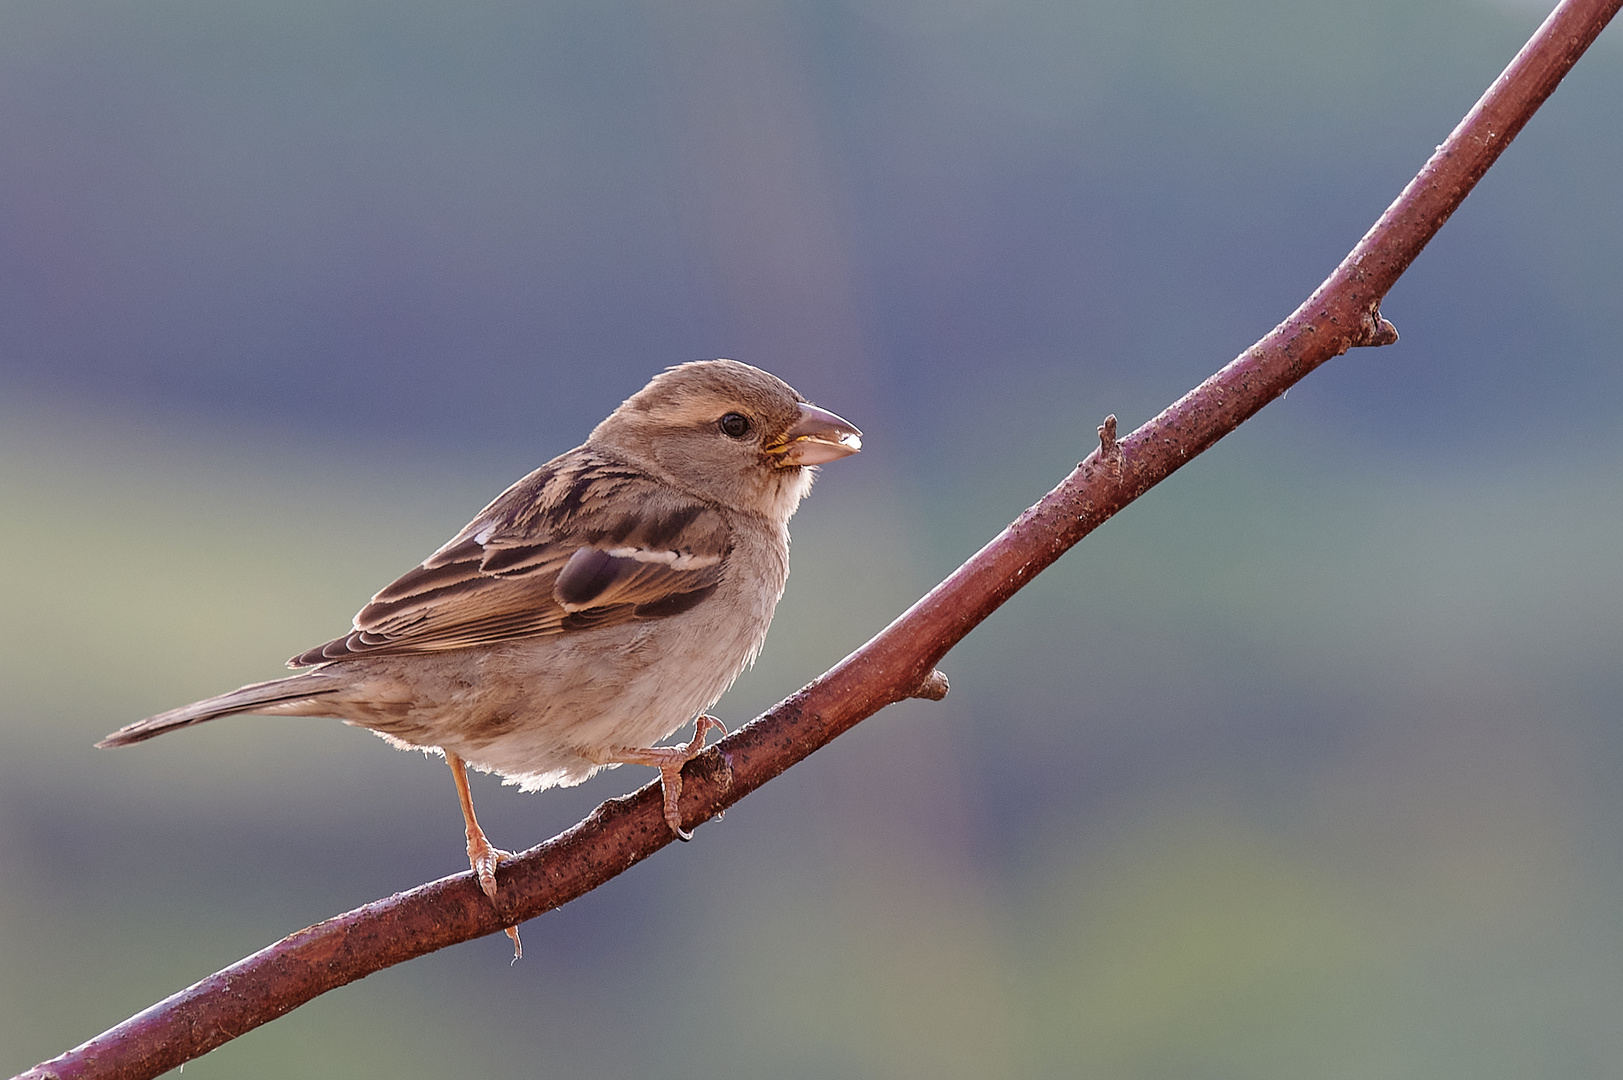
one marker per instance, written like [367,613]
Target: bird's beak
[818,436]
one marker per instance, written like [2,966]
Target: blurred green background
[1309,764]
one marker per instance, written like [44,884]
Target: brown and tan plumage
[579,543]
[591,610]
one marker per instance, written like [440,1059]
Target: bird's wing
[585,541]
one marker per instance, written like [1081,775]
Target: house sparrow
[591,610]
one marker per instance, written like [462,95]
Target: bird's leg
[482,855]
[669,761]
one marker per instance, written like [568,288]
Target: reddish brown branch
[900,662]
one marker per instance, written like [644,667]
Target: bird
[590,611]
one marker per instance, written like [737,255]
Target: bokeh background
[1309,764]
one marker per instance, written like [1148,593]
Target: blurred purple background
[1308,764]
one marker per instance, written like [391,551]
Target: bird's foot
[483,857]
[669,760]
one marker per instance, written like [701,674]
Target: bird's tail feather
[247,699]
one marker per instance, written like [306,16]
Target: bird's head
[729,433]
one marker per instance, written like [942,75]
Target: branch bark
[1342,313]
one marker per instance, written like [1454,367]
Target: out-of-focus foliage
[1308,764]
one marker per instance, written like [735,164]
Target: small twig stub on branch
[1109,449]
[933,688]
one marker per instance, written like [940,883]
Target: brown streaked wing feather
[641,585]
[498,579]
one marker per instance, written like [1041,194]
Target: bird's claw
[671,775]
[484,859]
[669,760]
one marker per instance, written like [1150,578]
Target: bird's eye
[734,426]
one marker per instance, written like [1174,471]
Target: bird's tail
[252,698]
